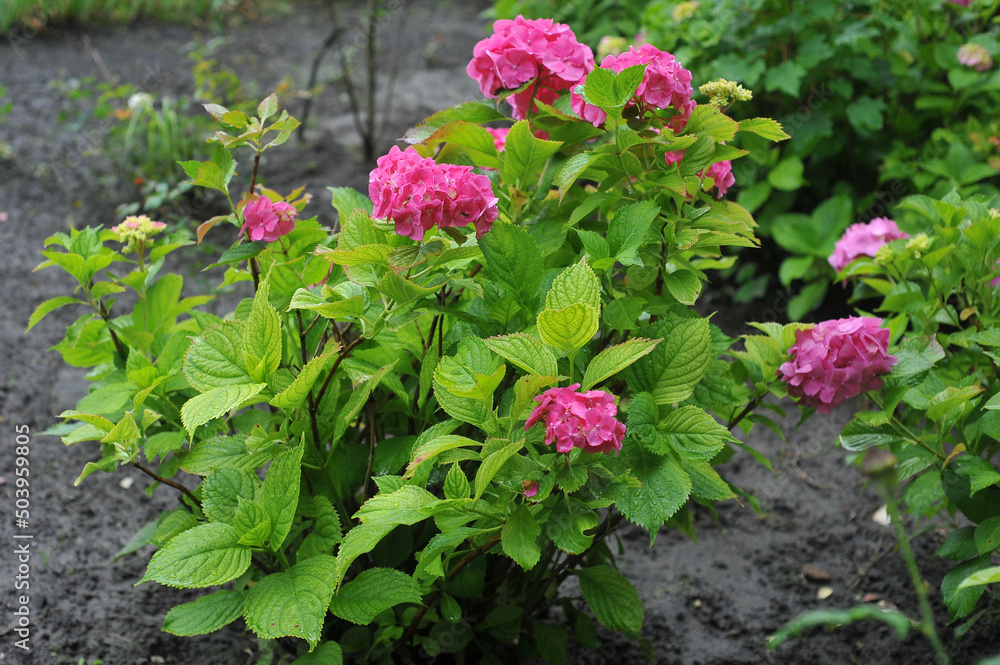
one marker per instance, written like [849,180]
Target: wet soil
[713,602]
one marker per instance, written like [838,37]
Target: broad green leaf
[124,430]
[568,329]
[673,369]
[203,556]
[220,452]
[526,352]
[986,576]
[435,447]
[215,358]
[627,230]
[694,434]
[568,524]
[988,535]
[959,545]
[358,256]
[456,484]
[524,153]
[683,285]
[297,392]
[280,494]
[222,490]
[292,602]
[358,398]
[612,598]
[345,201]
[326,531]
[708,119]
[493,463]
[262,337]
[327,653]
[764,127]
[514,261]
[525,390]
[402,290]
[665,488]
[335,309]
[252,523]
[787,175]
[980,472]
[949,398]
[372,592]
[209,405]
[706,483]
[48,306]
[616,358]
[575,284]
[518,537]
[961,600]
[205,615]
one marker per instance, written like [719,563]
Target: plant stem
[166,481]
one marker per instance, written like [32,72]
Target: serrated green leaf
[706,483]
[372,592]
[518,538]
[336,309]
[575,284]
[297,392]
[524,153]
[764,127]
[526,352]
[203,556]
[222,490]
[48,306]
[292,602]
[683,285]
[326,531]
[435,447]
[514,261]
[616,358]
[327,653]
[456,484]
[961,600]
[215,358]
[262,337]
[492,465]
[612,598]
[568,524]
[673,369]
[665,488]
[708,119]
[252,523]
[694,434]
[627,229]
[280,494]
[205,615]
[221,452]
[211,404]
[568,329]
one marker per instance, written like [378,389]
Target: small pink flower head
[960,3]
[529,488]
[265,220]
[976,56]
[836,360]
[523,49]
[579,420]
[666,84]
[499,137]
[863,240]
[722,174]
[417,193]
[135,230]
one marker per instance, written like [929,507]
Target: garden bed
[711,602]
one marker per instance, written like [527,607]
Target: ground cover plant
[454,565]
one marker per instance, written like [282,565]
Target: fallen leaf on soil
[870,598]
[814,573]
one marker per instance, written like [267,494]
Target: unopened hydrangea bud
[611,45]
[579,420]
[884,255]
[722,92]
[975,56]
[836,360]
[135,230]
[685,10]
[994,213]
[919,243]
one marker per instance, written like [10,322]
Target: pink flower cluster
[975,56]
[665,85]
[721,173]
[417,193]
[836,360]
[499,137]
[521,50]
[863,240]
[265,220]
[582,420]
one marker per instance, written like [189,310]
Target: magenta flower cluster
[975,56]
[579,420]
[417,193]
[864,240]
[721,173]
[521,50]
[836,360]
[666,84]
[265,220]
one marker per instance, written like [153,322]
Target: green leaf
[708,119]
[327,653]
[262,337]
[627,230]
[568,329]
[568,523]
[215,358]
[764,127]
[980,472]
[292,602]
[524,153]
[220,452]
[988,535]
[665,488]
[694,434]
[575,284]
[222,490]
[125,430]
[358,398]
[326,531]
[267,107]
[252,523]
[48,306]
[552,643]
[985,576]
[673,369]
[866,114]
[786,77]
[612,598]
[616,358]
[435,447]
[493,463]
[337,309]
[787,175]
[961,600]
[209,405]
[514,261]
[205,615]
[402,290]
[456,484]
[280,494]
[518,538]
[372,592]
[525,352]
[959,545]
[706,483]
[683,285]
[297,392]
[203,556]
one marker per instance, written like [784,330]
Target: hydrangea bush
[417,426]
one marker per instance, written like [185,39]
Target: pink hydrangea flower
[529,488]
[499,137]
[975,56]
[863,240]
[265,220]
[521,50]
[417,193]
[836,360]
[721,173]
[579,420]
[666,84]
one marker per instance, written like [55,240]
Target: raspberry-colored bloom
[417,193]
[976,56]
[523,49]
[665,85]
[582,420]
[720,172]
[836,360]
[499,137]
[863,240]
[529,488]
[265,220]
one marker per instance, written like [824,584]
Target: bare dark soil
[710,603]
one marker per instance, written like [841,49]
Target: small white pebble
[126,483]
[881,516]
[824,592]
[156,659]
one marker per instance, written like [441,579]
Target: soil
[713,602]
